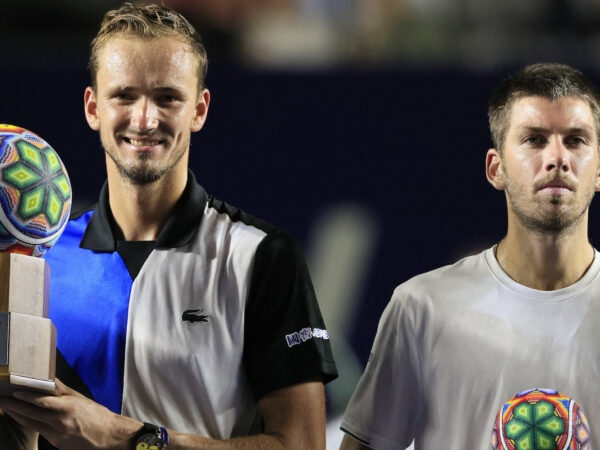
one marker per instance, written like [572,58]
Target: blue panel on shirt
[80,278]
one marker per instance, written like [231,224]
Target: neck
[545,260]
[140,212]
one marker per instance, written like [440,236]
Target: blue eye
[536,140]
[123,96]
[574,140]
[166,99]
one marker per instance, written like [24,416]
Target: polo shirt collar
[177,232]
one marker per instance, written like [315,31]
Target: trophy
[35,201]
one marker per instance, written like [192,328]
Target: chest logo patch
[194,315]
[540,419]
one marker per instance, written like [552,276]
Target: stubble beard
[139,174]
[557,221]
[141,171]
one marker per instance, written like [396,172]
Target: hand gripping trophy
[35,202]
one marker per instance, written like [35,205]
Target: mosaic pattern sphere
[35,192]
[541,419]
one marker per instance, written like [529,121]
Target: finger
[30,417]
[44,399]
[15,406]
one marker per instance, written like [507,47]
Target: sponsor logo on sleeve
[293,339]
[304,335]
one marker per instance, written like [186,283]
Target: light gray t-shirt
[455,343]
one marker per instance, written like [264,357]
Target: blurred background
[357,125]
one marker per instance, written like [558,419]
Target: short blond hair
[147,22]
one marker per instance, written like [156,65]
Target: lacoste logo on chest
[193,315]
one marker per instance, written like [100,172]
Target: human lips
[143,141]
[556,186]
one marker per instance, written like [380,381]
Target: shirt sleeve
[384,409]
[285,341]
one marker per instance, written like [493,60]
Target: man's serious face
[550,162]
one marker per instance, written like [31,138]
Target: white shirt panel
[212,276]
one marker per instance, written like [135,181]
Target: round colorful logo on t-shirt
[540,419]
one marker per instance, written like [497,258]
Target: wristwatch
[152,437]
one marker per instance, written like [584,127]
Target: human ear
[494,171]
[201,110]
[91,108]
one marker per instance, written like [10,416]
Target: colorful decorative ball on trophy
[540,419]
[35,192]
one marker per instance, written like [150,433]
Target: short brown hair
[147,21]
[548,80]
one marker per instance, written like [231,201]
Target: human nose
[557,156]
[145,115]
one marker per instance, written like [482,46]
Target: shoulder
[469,266]
[271,240]
[237,215]
[448,283]
[271,255]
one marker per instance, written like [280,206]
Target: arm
[387,405]
[294,418]
[352,444]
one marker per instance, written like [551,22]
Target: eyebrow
[158,90]
[114,89]
[569,130]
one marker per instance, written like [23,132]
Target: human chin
[139,172]
[135,168]
[559,217]
[141,177]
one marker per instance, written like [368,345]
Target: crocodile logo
[192,315]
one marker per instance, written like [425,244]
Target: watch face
[148,441]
